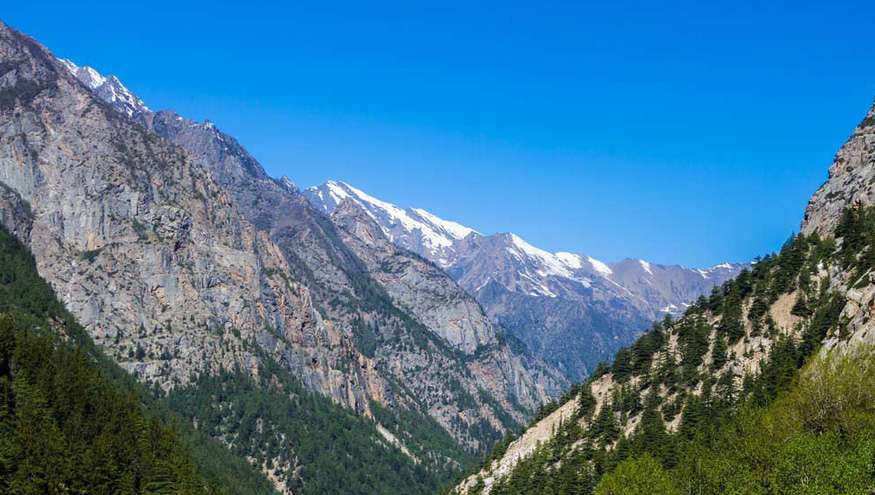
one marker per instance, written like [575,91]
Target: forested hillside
[727,373]
[73,418]
[73,422]
[763,387]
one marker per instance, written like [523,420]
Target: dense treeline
[74,422]
[308,442]
[818,438]
[736,434]
[319,447]
[64,429]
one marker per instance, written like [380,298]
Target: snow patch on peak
[108,89]
[413,228]
[87,75]
[337,192]
[571,260]
[646,266]
[456,230]
[547,263]
[528,248]
[600,266]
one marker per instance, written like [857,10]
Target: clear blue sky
[692,133]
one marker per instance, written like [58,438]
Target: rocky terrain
[850,180]
[184,260]
[571,310]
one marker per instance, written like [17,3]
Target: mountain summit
[570,309]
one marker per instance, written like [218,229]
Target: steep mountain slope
[189,265]
[347,294]
[687,388]
[63,425]
[571,310]
[71,418]
[423,289]
[153,256]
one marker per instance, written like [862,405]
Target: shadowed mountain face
[571,310]
[185,261]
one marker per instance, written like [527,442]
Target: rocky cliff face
[850,180]
[571,310]
[141,244]
[388,320]
[417,342]
[423,290]
[415,284]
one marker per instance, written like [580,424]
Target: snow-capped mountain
[108,89]
[415,229]
[569,308]
[350,316]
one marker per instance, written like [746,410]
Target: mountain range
[569,309]
[271,320]
[764,386]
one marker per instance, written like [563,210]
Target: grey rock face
[143,246]
[423,290]
[570,310]
[358,295]
[414,229]
[850,180]
[669,289]
[413,325]
[415,284]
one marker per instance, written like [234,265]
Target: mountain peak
[415,229]
[109,88]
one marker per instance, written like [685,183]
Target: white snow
[549,263]
[90,77]
[437,238]
[722,265]
[436,233]
[571,260]
[337,193]
[600,266]
[456,230]
[109,89]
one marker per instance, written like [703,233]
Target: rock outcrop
[850,180]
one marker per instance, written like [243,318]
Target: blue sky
[692,134]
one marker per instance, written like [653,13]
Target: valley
[175,319]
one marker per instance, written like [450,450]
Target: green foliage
[639,476]
[780,431]
[75,374]
[314,445]
[66,429]
[815,439]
